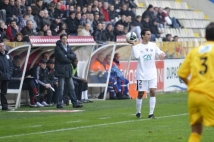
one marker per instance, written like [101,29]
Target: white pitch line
[74,121]
[105,118]
[36,126]
[89,126]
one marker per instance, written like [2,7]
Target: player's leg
[196,111]
[140,87]
[195,136]
[152,101]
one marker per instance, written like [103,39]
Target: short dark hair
[12,21]
[62,35]
[1,41]
[210,32]
[167,35]
[144,30]
[16,57]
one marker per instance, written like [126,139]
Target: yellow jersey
[199,65]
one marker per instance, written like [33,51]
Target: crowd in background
[102,19]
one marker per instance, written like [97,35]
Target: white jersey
[145,53]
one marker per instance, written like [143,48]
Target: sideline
[90,126]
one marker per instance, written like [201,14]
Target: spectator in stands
[83,20]
[149,12]
[113,15]
[96,21]
[116,6]
[62,28]
[78,9]
[67,12]
[18,37]
[22,7]
[63,59]
[98,73]
[78,18]
[3,29]
[48,33]
[175,38]
[23,21]
[46,18]
[72,24]
[166,19]
[85,31]
[105,12]
[95,11]
[4,4]
[121,80]
[57,11]
[53,81]
[36,8]
[99,35]
[122,21]
[28,83]
[51,8]
[63,6]
[27,31]
[81,3]
[11,12]
[40,73]
[90,21]
[5,74]
[158,17]
[124,11]
[136,29]
[89,8]
[118,31]
[39,20]
[12,30]
[109,32]
[31,17]
[84,10]
[146,25]
[18,8]
[55,26]
[167,38]
[81,84]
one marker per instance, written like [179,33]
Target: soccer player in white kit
[146,74]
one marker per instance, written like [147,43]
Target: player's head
[210,32]
[146,34]
[17,60]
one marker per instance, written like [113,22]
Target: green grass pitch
[103,121]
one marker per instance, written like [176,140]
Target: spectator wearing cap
[53,81]
[12,30]
[36,9]
[104,10]
[63,70]
[40,73]
[27,31]
[31,17]
[72,24]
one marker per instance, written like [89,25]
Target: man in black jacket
[63,70]
[28,83]
[6,70]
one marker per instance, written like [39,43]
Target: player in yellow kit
[199,65]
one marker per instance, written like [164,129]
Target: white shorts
[145,85]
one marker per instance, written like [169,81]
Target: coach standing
[63,70]
[6,70]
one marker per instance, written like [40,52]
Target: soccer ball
[131,37]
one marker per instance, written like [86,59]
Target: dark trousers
[80,86]
[29,85]
[49,96]
[3,87]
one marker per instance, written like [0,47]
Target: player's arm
[159,52]
[184,70]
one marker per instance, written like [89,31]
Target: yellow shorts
[201,109]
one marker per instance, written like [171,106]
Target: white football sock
[152,103]
[138,105]
[83,95]
[86,94]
